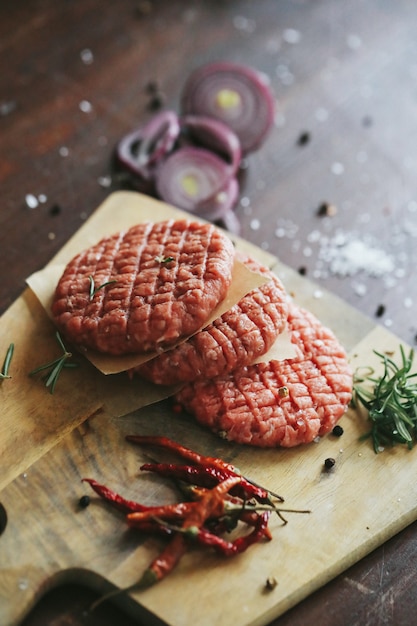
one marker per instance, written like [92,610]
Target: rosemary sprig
[391,402]
[56,366]
[93,289]
[6,365]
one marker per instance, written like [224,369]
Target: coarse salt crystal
[85,106]
[337,168]
[87,56]
[291,35]
[31,201]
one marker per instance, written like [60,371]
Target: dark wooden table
[74,78]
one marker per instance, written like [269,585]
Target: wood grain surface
[75,78]
[59,439]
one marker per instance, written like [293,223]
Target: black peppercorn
[337,431]
[304,138]
[84,501]
[329,463]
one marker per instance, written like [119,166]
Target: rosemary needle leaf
[55,367]
[93,289]
[6,365]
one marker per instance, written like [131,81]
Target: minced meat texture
[237,338]
[164,280]
[252,406]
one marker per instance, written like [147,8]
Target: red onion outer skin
[252,117]
[140,151]
[214,135]
[215,190]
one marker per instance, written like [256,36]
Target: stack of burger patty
[152,289]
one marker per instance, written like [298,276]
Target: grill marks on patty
[153,301]
[247,406]
[235,339]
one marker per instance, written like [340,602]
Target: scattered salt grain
[290,35]
[314,236]
[87,56]
[85,106]
[7,107]
[317,294]
[286,228]
[408,303]
[63,151]
[23,584]
[337,168]
[255,224]
[104,181]
[279,120]
[244,24]
[31,201]
[42,198]
[244,201]
[360,289]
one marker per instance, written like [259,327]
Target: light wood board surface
[49,442]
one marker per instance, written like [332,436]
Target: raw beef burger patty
[168,278]
[235,339]
[250,405]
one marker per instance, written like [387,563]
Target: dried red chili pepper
[211,504]
[164,562]
[230,548]
[182,451]
[120,503]
[205,537]
[204,476]
[168,512]
[202,461]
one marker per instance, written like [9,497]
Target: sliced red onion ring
[198,181]
[235,94]
[141,150]
[214,135]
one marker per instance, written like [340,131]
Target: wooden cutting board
[49,442]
